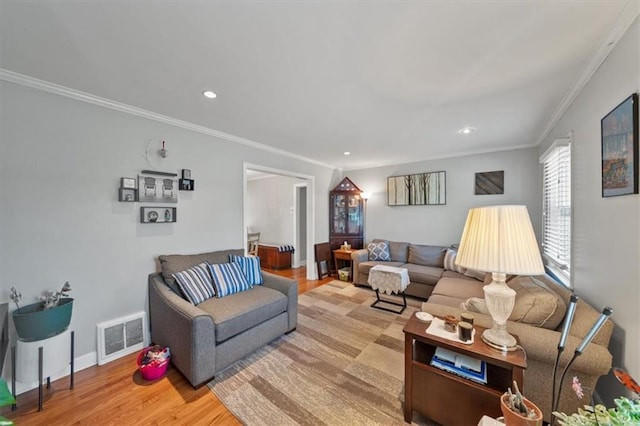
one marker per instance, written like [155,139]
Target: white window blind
[556,205]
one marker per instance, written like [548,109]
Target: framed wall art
[157,187]
[490,183]
[417,190]
[620,149]
[158,214]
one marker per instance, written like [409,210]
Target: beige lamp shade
[500,239]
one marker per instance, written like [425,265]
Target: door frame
[310,182]
[296,194]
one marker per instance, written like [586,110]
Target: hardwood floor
[115,393]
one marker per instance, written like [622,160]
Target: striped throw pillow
[228,279]
[195,283]
[450,262]
[250,267]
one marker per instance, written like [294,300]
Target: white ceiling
[389,81]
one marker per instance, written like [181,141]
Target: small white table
[389,279]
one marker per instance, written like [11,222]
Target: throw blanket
[282,248]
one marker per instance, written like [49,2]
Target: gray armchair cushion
[239,312]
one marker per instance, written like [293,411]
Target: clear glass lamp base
[500,301]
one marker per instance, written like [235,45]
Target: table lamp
[500,240]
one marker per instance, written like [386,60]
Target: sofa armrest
[358,257]
[186,329]
[288,287]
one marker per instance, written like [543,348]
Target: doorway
[302,209]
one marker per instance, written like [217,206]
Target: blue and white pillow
[450,262]
[195,283]
[228,279]
[379,251]
[250,267]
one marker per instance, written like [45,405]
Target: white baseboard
[80,363]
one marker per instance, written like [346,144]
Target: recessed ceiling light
[466,130]
[347,153]
[209,94]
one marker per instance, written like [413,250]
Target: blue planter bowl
[34,323]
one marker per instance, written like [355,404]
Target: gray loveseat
[537,318]
[207,338]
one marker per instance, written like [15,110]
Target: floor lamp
[500,240]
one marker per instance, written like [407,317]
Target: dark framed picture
[186,184]
[186,174]
[490,183]
[128,194]
[620,149]
[158,214]
[417,190]
[323,269]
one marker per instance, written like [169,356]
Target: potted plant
[41,320]
[518,410]
[626,411]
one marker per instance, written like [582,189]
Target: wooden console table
[432,392]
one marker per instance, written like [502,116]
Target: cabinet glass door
[339,214]
[354,216]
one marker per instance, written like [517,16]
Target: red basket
[151,371]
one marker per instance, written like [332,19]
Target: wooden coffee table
[447,398]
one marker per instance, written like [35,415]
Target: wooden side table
[449,399]
[343,256]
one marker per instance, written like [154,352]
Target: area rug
[344,365]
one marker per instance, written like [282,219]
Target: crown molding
[443,157]
[626,17]
[23,80]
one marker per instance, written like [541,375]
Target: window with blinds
[556,206]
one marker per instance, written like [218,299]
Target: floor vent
[121,336]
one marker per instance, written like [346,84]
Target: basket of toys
[153,362]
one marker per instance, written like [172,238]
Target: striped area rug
[344,365]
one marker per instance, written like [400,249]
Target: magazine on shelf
[461,365]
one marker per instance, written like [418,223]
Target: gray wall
[443,224]
[60,166]
[270,204]
[606,231]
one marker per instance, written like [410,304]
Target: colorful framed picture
[620,149]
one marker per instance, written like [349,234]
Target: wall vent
[122,336]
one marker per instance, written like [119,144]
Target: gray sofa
[537,318]
[207,338]
[425,264]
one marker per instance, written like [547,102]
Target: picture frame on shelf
[128,194]
[128,183]
[186,174]
[619,135]
[186,184]
[150,214]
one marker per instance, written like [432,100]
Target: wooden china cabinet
[346,211]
